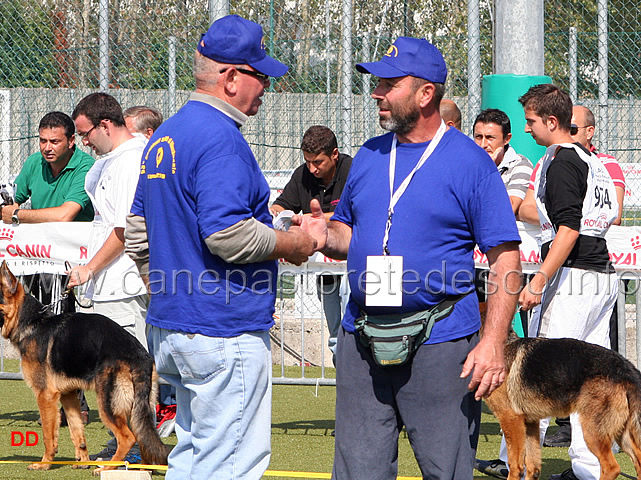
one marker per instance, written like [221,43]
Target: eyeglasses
[253,73]
[82,136]
[574,129]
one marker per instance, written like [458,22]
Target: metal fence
[53,52]
[593,49]
[299,337]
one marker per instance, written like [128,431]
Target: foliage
[52,43]
[624,51]
[27,60]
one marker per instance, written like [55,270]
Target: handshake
[299,236]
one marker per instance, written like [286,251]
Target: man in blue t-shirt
[416,202]
[202,205]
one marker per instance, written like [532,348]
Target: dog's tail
[152,450]
[630,438]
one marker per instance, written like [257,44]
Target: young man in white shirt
[114,283]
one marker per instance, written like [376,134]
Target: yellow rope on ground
[268,473]
[284,473]
[136,466]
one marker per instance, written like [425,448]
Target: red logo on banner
[28,251]
[6,234]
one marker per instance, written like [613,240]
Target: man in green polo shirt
[54,178]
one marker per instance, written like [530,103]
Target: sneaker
[166,420]
[567,475]
[133,457]
[493,468]
[130,458]
[103,456]
[561,438]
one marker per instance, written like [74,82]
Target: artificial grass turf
[302,420]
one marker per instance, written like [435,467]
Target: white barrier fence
[44,248]
[300,336]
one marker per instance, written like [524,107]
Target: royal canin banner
[624,245]
[45,247]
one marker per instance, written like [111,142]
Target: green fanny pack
[393,339]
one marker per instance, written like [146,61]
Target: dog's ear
[8,281]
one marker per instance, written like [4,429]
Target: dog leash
[64,295]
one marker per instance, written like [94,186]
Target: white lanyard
[396,195]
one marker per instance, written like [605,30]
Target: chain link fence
[54,52]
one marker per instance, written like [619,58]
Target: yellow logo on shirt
[160,145]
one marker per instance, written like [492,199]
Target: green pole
[503,92]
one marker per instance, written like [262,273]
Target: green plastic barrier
[503,92]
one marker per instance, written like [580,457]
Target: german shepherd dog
[63,353]
[556,377]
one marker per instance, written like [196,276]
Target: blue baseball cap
[238,41]
[409,56]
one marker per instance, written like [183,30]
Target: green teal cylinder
[503,92]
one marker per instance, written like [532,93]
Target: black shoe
[561,438]
[493,468]
[567,475]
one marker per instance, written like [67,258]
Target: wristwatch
[14,218]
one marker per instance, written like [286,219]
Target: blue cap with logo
[409,56]
[238,41]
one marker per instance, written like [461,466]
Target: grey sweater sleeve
[136,244]
[247,241]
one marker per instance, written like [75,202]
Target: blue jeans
[223,398]
[334,302]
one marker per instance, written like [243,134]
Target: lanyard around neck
[396,195]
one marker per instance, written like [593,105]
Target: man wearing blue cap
[202,206]
[407,251]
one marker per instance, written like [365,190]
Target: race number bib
[384,281]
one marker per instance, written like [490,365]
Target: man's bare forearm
[504,283]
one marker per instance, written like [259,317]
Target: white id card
[384,281]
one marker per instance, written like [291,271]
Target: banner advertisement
[45,247]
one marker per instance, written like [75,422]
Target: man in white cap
[203,202]
[416,202]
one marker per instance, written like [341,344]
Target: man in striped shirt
[492,132]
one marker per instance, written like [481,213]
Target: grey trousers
[427,396]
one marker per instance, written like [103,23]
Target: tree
[26,45]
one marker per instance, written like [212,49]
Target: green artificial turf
[302,420]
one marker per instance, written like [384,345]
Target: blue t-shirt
[454,201]
[198,177]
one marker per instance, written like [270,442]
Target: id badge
[384,281]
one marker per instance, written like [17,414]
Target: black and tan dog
[63,353]
[556,377]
